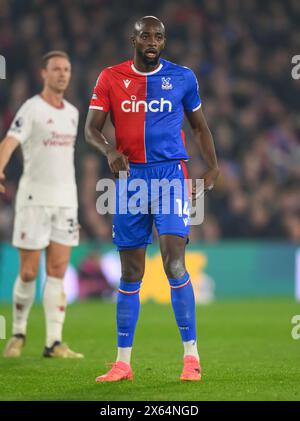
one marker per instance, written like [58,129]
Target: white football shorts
[36,226]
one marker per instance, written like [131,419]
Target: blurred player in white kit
[46,202]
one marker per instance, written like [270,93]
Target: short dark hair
[139,23]
[55,53]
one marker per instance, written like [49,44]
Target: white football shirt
[47,136]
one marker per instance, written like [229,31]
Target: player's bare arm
[7,147]
[203,137]
[93,133]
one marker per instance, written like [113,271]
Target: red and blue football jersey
[147,109]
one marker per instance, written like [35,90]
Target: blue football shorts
[152,193]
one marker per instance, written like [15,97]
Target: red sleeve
[100,99]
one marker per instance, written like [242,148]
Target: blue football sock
[128,306]
[183,302]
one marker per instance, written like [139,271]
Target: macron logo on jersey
[153,106]
[127,82]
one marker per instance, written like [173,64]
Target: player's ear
[43,74]
[133,40]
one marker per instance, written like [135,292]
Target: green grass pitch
[246,349]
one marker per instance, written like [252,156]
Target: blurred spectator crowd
[241,51]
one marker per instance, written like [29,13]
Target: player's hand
[117,162]
[209,177]
[2,179]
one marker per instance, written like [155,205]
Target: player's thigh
[32,227]
[133,264]
[172,214]
[29,264]
[132,231]
[57,259]
[173,254]
[132,225]
[64,226]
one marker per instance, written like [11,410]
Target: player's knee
[174,268]
[57,269]
[28,274]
